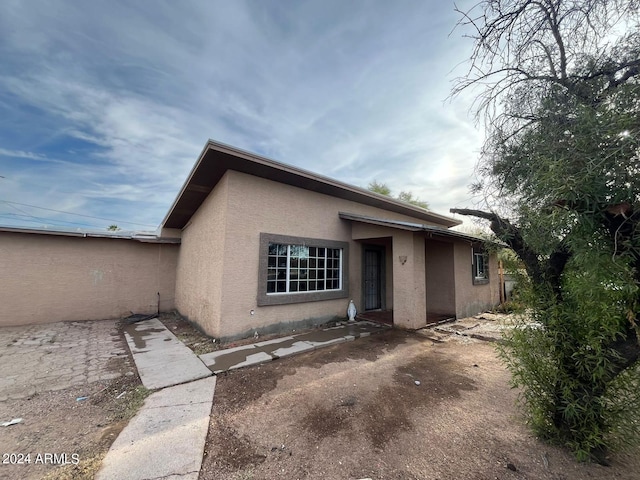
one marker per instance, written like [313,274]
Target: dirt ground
[352,411]
[356,411]
[56,422]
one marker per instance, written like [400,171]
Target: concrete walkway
[166,439]
[161,358]
[261,352]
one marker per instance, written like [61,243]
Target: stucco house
[266,246]
[253,245]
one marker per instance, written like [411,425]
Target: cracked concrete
[55,356]
[166,438]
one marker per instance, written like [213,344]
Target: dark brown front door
[372,279]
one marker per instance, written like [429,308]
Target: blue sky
[105,106]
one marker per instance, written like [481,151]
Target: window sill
[287,298]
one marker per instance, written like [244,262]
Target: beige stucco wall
[49,278]
[226,232]
[199,277]
[472,299]
[217,275]
[409,280]
[441,288]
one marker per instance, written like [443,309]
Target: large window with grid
[297,269]
[301,268]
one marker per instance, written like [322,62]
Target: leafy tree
[409,198]
[405,196]
[560,172]
[113,228]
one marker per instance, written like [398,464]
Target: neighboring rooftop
[216,158]
[144,237]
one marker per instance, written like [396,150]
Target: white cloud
[119,99]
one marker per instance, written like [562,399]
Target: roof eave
[232,158]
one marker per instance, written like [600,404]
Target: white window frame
[265,298]
[326,258]
[479,258]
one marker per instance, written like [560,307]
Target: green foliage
[409,198]
[405,196]
[560,354]
[379,187]
[562,160]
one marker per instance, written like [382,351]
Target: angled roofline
[216,158]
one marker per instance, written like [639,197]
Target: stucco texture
[199,277]
[470,298]
[48,278]
[218,268]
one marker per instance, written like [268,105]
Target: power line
[46,221]
[76,214]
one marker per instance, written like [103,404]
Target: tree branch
[509,234]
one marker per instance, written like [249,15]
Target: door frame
[381,250]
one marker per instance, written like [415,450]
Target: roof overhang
[431,230]
[216,158]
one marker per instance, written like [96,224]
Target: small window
[480,266]
[294,269]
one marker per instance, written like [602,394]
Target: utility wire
[76,214]
[47,221]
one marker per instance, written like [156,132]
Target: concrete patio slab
[166,438]
[161,358]
[253,359]
[55,356]
[273,341]
[210,358]
[267,350]
[293,349]
[326,343]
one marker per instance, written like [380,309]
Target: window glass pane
[299,251]
[272,274]
[308,269]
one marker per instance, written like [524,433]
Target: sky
[105,106]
